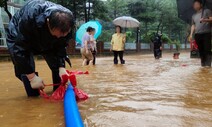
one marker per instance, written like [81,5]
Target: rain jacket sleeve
[23,29]
[61,50]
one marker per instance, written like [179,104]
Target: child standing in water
[117,45]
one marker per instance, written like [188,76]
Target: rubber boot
[123,62]
[115,61]
[29,91]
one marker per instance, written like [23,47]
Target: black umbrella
[185,9]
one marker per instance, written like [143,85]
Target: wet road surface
[142,93]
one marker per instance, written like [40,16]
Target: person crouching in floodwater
[39,28]
[87,47]
[157,46]
[118,44]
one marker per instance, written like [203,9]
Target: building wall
[12,9]
[5,18]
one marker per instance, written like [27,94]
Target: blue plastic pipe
[71,111]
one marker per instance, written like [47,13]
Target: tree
[3,4]
[159,16]
[100,10]
[145,11]
[117,8]
[78,7]
[170,23]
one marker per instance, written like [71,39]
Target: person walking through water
[87,47]
[118,44]
[39,28]
[157,46]
[201,27]
[94,48]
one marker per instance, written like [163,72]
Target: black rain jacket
[28,34]
[157,42]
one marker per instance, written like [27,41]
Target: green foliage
[177,44]
[154,15]
[2,3]
[147,38]
[158,15]
[165,39]
[106,36]
[99,10]
[117,8]
[130,36]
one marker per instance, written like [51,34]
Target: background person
[157,46]
[87,47]
[202,30]
[39,28]
[94,48]
[118,44]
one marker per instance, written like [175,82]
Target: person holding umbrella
[87,47]
[117,45]
[201,27]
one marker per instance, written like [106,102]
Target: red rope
[52,84]
[59,93]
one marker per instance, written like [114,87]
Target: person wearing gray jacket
[201,27]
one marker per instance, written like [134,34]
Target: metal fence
[3,42]
[145,46]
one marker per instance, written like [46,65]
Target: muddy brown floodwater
[143,93]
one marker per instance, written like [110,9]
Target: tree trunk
[89,9]
[146,28]
[74,8]
[162,29]
[115,9]
[85,11]
[161,20]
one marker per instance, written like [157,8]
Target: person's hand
[92,49]
[190,38]
[203,20]
[36,82]
[62,71]
[87,51]
[161,48]
[111,49]
[125,35]
[63,74]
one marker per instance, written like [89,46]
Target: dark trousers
[204,46]
[157,53]
[94,57]
[120,54]
[51,60]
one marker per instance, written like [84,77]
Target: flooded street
[142,93]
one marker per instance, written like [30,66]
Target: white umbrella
[127,22]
